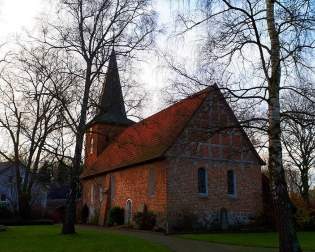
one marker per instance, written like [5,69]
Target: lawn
[270,240]
[49,239]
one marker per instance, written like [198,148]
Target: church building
[189,162]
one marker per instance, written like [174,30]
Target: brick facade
[98,137]
[129,184]
[217,152]
[212,139]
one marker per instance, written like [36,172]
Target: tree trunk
[18,186]
[305,186]
[288,241]
[70,215]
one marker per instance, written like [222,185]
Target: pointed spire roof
[111,104]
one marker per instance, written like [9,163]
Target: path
[184,245]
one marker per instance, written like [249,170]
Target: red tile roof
[148,139]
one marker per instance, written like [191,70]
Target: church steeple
[111,107]
[111,118]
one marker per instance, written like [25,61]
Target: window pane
[112,186]
[231,182]
[92,194]
[100,193]
[202,183]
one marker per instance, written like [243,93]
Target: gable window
[231,183]
[151,181]
[202,181]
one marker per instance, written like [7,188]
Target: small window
[92,194]
[202,181]
[231,182]
[92,145]
[151,181]
[3,197]
[112,186]
[100,193]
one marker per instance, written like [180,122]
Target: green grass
[49,239]
[268,240]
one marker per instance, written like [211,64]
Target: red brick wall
[132,183]
[203,143]
[217,151]
[98,207]
[102,135]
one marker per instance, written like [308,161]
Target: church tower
[110,119]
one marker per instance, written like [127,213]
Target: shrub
[116,216]
[145,220]
[304,214]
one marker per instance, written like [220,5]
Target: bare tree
[88,30]
[30,115]
[299,142]
[271,42]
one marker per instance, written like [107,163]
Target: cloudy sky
[17,16]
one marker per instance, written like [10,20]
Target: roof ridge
[192,96]
[142,141]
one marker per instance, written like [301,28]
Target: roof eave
[104,172]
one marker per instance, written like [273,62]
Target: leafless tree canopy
[87,31]
[299,141]
[30,113]
[271,45]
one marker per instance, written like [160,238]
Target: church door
[128,212]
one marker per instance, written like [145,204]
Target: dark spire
[111,105]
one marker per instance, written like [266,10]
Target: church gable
[148,139]
[214,133]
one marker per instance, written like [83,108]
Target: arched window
[128,212]
[100,193]
[92,145]
[112,186]
[231,183]
[202,181]
[92,194]
[151,181]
